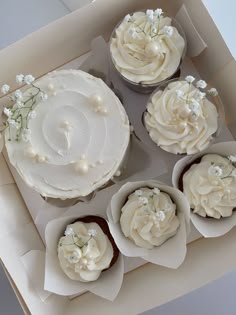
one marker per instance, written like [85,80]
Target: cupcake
[149,218]
[87,249]
[147,48]
[67,135]
[209,183]
[181,118]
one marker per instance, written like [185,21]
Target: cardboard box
[150,285]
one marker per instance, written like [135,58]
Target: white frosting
[172,126]
[149,218]
[74,147]
[84,262]
[143,59]
[212,196]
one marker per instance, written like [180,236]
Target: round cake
[75,138]
[180,119]
[209,183]
[145,48]
[148,218]
[87,249]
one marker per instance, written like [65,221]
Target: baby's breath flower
[5,88]
[32,114]
[43,96]
[179,93]
[156,191]
[28,79]
[201,84]
[143,201]
[168,30]
[189,78]
[232,158]
[7,111]
[92,232]
[213,92]
[200,95]
[69,231]
[160,216]
[215,171]
[26,133]
[20,78]
[127,18]
[18,94]
[75,256]
[12,122]
[158,12]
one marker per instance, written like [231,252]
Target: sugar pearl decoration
[96,100]
[50,87]
[41,159]
[185,112]
[66,125]
[152,49]
[81,167]
[30,152]
[118,173]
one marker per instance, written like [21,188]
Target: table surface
[192,302]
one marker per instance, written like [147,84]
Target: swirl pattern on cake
[78,138]
[142,57]
[149,218]
[178,126]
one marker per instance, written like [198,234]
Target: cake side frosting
[145,51]
[77,140]
[149,218]
[210,186]
[179,126]
[84,252]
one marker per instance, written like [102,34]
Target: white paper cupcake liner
[171,253]
[208,227]
[56,281]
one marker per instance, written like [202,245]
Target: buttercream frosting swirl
[210,186]
[84,252]
[142,58]
[77,140]
[149,217]
[178,126]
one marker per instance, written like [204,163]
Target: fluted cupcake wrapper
[56,281]
[173,251]
[208,227]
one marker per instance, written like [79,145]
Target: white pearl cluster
[97,103]
[31,153]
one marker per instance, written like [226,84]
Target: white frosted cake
[74,140]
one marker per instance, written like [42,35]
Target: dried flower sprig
[217,170]
[194,102]
[78,241]
[153,18]
[22,109]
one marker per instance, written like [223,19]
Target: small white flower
[215,171]
[158,12]
[213,92]
[195,107]
[179,93]
[28,79]
[201,84]
[150,16]
[232,158]
[26,133]
[138,193]
[143,201]
[200,95]
[92,232]
[43,96]
[69,231]
[189,78]
[12,122]
[74,257]
[20,78]
[32,114]
[7,111]
[168,30]
[160,215]
[127,18]
[156,191]
[18,94]
[233,174]
[5,88]
[133,33]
